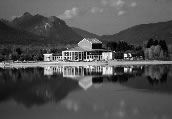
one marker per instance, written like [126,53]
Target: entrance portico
[80,54]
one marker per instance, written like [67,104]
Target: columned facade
[87,50]
[81,55]
[57,58]
[73,55]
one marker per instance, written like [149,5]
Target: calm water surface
[91,92]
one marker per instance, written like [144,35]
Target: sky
[97,16]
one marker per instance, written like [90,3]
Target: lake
[89,92]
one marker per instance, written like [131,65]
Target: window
[96,46]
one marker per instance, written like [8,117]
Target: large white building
[87,50]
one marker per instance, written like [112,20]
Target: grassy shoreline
[109,63]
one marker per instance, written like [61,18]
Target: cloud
[69,14]
[120,5]
[121,12]
[163,0]
[113,3]
[117,3]
[104,2]
[133,4]
[96,10]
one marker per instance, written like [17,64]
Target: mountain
[141,33]
[85,33]
[10,35]
[40,30]
[53,28]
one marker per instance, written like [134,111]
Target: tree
[161,54]
[111,46]
[155,42]
[15,56]
[163,45]
[150,43]
[2,58]
[146,53]
[139,48]
[170,51]
[157,50]
[18,50]
[150,53]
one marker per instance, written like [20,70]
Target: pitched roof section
[79,49]
[93,40]
[76,49]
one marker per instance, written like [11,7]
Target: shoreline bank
[109,63]
[143,62]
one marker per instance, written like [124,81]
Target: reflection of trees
[20,74]
[30,87]
[163,79]
[135,78]
[97,79]
[158,79]
[134,70]
[121,74]
[114,78]
[120,78]
[157,73]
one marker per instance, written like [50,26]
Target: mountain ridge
[37,29]
[141,33]
[51,27]
[12,36]
[85,33]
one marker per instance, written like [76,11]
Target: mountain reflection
[30,87]
[38,86]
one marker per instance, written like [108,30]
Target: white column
[86,55]
[81,55]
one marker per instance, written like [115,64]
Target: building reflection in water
[50,70]
[73,72]
[31,86]
[87,75]
[79,71]
[86,82]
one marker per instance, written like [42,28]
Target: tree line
[155,49]
[151,50]
[24,53]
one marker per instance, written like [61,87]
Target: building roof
[84,49]
[76,49]
[48,54]
[93,40]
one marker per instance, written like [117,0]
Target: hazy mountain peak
[52,28]
[27,14]
[53,17]
[85,33]
[140,33]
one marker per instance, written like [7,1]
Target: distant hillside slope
[52,28]
[9,35]
[141,33]
[85,33]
